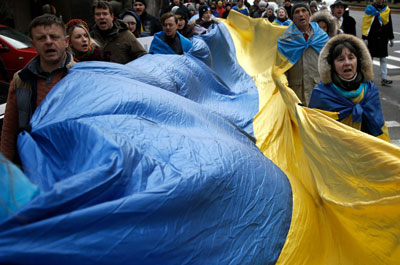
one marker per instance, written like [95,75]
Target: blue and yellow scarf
[370,13]
[292,44]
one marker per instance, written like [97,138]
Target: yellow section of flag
[345,183]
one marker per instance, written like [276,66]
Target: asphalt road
[390,96]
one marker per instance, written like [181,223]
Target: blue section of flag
[292,43]
[153,162]
[372,11]
[369,111]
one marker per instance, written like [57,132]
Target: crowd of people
[320,45]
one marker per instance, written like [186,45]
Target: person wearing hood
[205,22]
[192,11]
[269,14]
[118,43]
[326,22]
[282,18]
[301,44]
[169,41]
[377,32]
[313,7]
[346,92]
[132,20]
[262,6]
[150,24]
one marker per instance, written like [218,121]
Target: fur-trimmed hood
[324,68]
[328,19]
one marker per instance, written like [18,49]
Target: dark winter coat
[187,30]
[93,54]
[378,37]
[349,25]
[119,44]
[328,19]
[150,25]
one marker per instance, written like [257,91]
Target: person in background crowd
[150,24]
[240,7]
[49,9]
[228,8]
[214,11]
[132,20]
[313,7]
[326,22]
[262,5]
[81,45]
[203,2]
[169,41]
[119,6]
[345,67]
[377,32]
[205,22]
[192,10]
[269,14]
[184,28]
[282,18]
[220,8]
[247,4]
[288,6]
[177,4]
[30,85]
[301,43]
[345,22]
[118,43]
[254,8]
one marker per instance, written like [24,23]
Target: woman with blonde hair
[282,19]
[81,45]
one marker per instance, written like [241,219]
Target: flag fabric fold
[205,158]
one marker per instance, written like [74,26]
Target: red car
[15,50]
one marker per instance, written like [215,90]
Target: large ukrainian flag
[345,183]
[159,162]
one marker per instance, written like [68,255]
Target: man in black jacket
[344,21]
[288,6]
[377,32]
[150,24]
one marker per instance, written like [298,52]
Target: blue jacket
[158,46]
[242,10]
